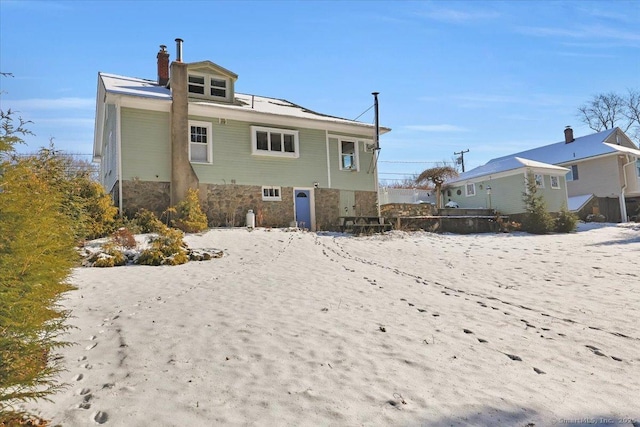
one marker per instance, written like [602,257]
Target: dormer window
[208,86]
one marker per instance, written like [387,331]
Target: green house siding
[146,147]
[109,160]
[506,194]
[362,179]
[233,161]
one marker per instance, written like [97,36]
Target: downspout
[119,148]
[326,133]
[623,206]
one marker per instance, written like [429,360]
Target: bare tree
[437,175]
[608,110]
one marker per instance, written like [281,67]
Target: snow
[514,164]
[300,328]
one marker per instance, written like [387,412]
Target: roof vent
[568,135]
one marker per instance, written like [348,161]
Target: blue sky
[488,76]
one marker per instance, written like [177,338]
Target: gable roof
[580,148]
[211,66]
[507,166]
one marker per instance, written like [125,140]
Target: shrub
[566,222]
[36,256]
[189,215]
[167,248]
[538,220]
[110,256]
[123,237]
[148,222]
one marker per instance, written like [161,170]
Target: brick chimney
[568,135]
[163,66]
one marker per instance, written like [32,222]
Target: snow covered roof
[562,152]
[243,102]
[576,203]
[506,164]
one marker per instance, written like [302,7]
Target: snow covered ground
[400,329]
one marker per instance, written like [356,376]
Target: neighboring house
[155,140]
[500,185]
[604,171]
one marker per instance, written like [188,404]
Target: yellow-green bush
[36,256]
[167,248]
[188,214]
[148,222]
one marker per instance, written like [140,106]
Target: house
[155,140]
[500,185]
[603,172]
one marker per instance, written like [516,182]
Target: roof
[131,86]
[577,202]
[561,152]
[505,165]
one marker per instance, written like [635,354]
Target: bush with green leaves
[566,221]
[537,220]
[188,214]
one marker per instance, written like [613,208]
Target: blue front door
[303,208]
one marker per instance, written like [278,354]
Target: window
[274,142]
[555,181]
[539,180]
[200,142]
[470,189]
[348,155]
[638,165]
[215,87]
[572,175]
[271,194]
[196,84]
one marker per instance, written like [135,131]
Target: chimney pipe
[568,135]
[163,66]
[179,50]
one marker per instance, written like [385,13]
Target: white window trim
[207,86]
[209,128]
[356,154]
[277,198]
[254,142]
[557,179]
[535,179]
[466,189]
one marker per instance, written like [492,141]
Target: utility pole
[461,159]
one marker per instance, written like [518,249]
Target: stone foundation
[227,205]
[154,196]
[393,210]
[327,207]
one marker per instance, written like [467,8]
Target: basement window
[271,194]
